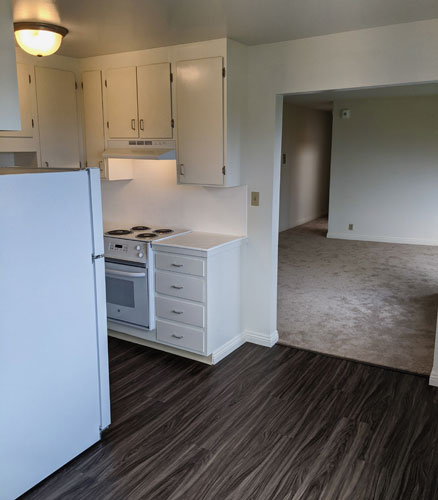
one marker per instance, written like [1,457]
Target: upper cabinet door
[154,101]
[93,117]
[57,118]
[200,121]
[9,106]
[25,88]
[121,99]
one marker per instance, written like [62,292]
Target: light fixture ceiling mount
[39,38]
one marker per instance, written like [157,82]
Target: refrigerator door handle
[95,257]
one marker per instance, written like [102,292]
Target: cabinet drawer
[181,336]
[178,310]
[180,285]
[180,264]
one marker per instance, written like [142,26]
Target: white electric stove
[129,274]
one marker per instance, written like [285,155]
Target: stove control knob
[138,247]
[141,254]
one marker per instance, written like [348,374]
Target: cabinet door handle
[181,169]
[46,163]
[133,124]
[177,265]
[142,124]
[177,287]
[177,312]
[177,336]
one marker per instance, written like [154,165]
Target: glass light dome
[39,39]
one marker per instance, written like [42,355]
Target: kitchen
[123,117]
[184,138]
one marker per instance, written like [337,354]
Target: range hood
[140,150]
[140,154]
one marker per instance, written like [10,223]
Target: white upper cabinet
[9,106]
[139,102]
[200,121]
[154,101]
[122,116]
[211,103]
[93,117]
[57,118]
[25,91]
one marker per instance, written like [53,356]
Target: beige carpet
[372,302]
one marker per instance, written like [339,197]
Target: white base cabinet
[197,297]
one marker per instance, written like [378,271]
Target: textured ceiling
[109,26]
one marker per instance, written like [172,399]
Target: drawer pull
[177,312]
[177,265]
[177,336]
[177,287]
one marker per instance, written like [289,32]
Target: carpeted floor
[372,302]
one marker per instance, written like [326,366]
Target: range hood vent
[140,154]
[140,149]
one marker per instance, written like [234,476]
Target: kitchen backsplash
[154,197]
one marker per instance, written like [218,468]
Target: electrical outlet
[350,227]
[255,198]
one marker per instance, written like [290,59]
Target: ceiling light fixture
[39,39]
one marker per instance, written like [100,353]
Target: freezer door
[49,359]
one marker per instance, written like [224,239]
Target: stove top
[144,233]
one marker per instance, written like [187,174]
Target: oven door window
[120,292]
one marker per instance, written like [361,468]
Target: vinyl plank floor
[268,424]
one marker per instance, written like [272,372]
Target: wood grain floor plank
[264,424]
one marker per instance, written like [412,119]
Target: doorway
[363,284]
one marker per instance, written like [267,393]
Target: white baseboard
[260,338]
[304,220]
[382,239]
[227,348]
[433,379]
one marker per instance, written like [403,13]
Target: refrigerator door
[99,283]
[49,356]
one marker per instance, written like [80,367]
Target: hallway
[372,302]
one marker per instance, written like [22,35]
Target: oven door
[127,293]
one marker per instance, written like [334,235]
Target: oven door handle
[114,272]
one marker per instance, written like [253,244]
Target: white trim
[304,220]
[433,379]
[260,338]
[382,239]
[227,348]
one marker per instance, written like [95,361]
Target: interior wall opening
[361,284]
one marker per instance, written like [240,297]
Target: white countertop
[200,241]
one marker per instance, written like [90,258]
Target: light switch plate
[255,198]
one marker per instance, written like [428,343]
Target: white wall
[306,142]
[385,170]
[403,53]
[153,197]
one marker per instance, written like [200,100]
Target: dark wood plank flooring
[264,424]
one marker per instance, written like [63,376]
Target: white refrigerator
[54,383]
